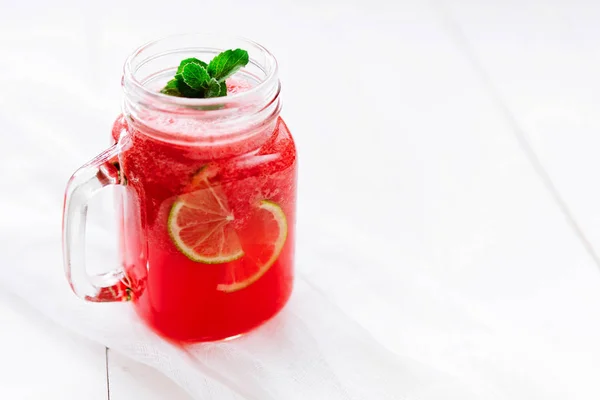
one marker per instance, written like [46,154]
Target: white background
[453,138]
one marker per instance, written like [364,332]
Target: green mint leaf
[214,88]
[190,60]
[171,88]
[185,90]
[195,76]
[223,89]
[227,63]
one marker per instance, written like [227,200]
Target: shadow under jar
[207,213]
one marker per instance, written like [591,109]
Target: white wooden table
[534,65]
[42,360]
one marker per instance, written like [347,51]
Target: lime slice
[263,238]
[200,225]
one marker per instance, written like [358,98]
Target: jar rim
[129,75]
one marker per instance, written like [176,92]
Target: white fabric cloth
[311,350]
[432,264]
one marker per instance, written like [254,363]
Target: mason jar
[208,198]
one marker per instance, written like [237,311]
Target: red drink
[250,184]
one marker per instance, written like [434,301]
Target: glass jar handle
[83,185]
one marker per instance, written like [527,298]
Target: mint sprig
[196,79]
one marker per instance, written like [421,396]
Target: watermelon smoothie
[207,175]
[211,255]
